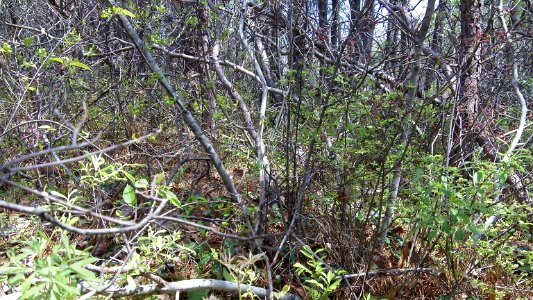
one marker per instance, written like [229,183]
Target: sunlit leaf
[129,196]
[57,59]
[141,183]
[78,64]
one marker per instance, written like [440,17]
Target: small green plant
[319,281]
[241,269]
[160,246]
[41,270]
[6,49]
[114,10]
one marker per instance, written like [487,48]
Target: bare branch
[73,159]
[187,285]
[45,215]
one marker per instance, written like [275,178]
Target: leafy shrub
[41,270]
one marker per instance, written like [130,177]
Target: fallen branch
[390,272]
[185,285]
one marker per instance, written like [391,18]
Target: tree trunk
[368,25]
[436,40]
[419,37]
[470,73]
[208,90]
[363,19]
[322,14]
[335,22]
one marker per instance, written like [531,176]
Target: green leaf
[172,198]
[204,260]
[228,276]
[6,48]
[160,178]
[27,283]
[58,194]
[72,290]
[129,196]
[141,183]
[286,288]
[124,12]
[106,13]
[41,52]
[84,273]
[76,63]
[478,177]
[15,270]
[128,176]
[335,285]
[315,283]
[446,227]
[301,268]
[431,235]
[459,234]
[57,59]
[27,41]
[33,292]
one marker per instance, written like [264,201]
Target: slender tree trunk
[355,10]
[298,43]
[335,23]
[368,26]
[322,14]
[390,51]
[265,67]
[470,73]
[436,40]
[364,21]
[355,19]
[249,125]
[207,88]
[470,56]
[419,38]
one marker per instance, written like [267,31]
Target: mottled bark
[335,6]
[322,14]
[436,40]
[363,19]
[470,56]
[470,73]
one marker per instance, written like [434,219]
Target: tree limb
[186,285]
